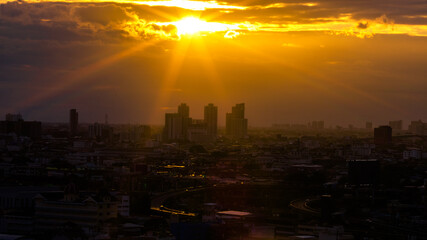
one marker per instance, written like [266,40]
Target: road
[301,204]
[157,201]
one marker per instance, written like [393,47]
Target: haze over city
[289,61]
[213,120]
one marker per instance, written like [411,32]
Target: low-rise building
[88,211]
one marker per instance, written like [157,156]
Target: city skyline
[181,126]
[341,62]
[213,119]
[397,124]
[90,116]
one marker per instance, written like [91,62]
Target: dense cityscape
[213,120]
[193,179]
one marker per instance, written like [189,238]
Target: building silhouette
[211,120]
[382,135]
[184,114]
[14,123]
[54,209]
[396,125]
[184,110]
[368,125]
[13,117]
[197,131]
[179,126]
[74,122]
[235,123]
[100,131]
[418,127]
[173,127]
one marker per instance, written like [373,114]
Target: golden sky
[341,61]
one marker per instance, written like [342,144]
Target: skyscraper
[15,124]
[418,127]
[74,122]
[173,127]
[184,113]
[382,135]
[184,110]
[396,125]
[236,124]
[211,120]
[176,124]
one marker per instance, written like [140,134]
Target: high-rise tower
[236,124]
[211,120]
[74,122]
[382,135]
[184,110]
[176,124]
[173,127]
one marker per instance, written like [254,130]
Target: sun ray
[77,76]
[212,74]
[171,75]
[322,82]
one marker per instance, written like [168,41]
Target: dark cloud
[30,13]
[398,11]
[362,25]
[54,32]
[103,14]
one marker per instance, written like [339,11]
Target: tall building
[418,127]
[173,127]
[184,113]
[184,110]
[382,135]
[74,122]
[368,125]
[235,123]
[396,125]
[179,126]
[197,131]
[211,120]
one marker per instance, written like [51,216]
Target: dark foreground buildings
[16,125]
[382,135]
[74,122]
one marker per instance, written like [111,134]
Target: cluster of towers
[179,126]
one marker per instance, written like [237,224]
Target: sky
[289,61]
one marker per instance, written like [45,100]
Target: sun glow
[193,25]
[189,4]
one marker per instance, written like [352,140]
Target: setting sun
[193,25]
[213,119]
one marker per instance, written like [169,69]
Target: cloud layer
[139,20]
